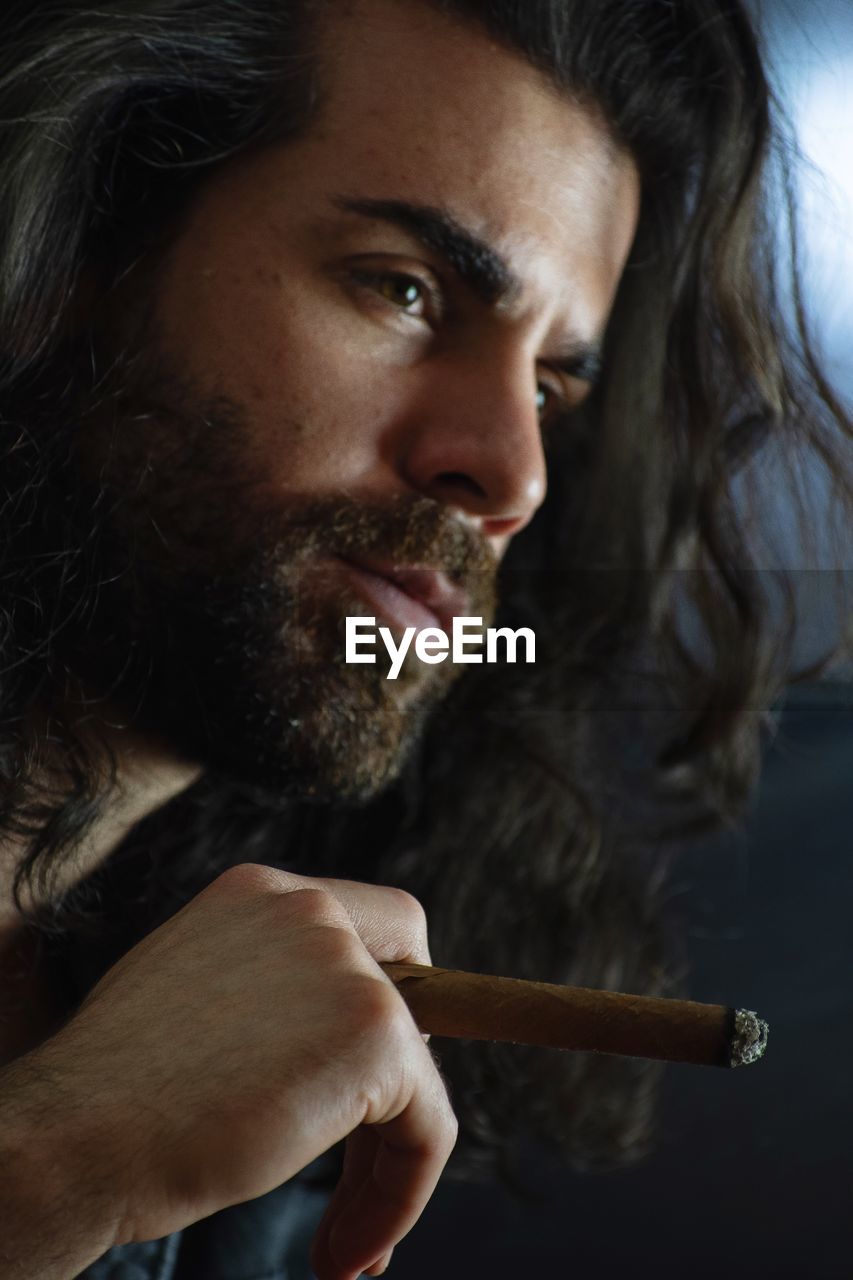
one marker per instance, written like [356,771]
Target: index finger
[391,923]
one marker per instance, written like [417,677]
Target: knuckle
[451,1127]
[409,908]
[442,1140]
[246,877]
[313,906]
[445,1135]
[379,1010]
[293,896]
[375,1017]
[447,1123]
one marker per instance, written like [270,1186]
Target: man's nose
[474,441]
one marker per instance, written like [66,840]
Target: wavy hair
[536,819]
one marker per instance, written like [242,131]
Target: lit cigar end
[749,1038]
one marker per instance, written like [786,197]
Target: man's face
[345,361]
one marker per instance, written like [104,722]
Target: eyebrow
[477,263]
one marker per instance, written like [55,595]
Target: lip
[410,595]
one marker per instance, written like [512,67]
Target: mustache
[289,528]
[407,530]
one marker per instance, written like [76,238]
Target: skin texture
[244,1037]
[283,379]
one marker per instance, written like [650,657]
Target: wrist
[56,1189]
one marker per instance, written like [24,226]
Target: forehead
[421,106]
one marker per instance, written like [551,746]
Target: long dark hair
[535,820]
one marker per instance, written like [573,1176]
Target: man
[305,307]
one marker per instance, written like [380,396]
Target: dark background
[753,1175]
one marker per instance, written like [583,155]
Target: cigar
[478,1006]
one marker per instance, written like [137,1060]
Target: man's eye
[548,400]
[405,292]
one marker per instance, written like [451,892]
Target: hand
[246,1036]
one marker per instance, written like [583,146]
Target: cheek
[315,384]
[285,359]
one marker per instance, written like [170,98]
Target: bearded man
[314,310]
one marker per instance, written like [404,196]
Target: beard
[216,607]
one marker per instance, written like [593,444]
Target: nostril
[457,478]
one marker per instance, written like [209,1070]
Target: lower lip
[396,605]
